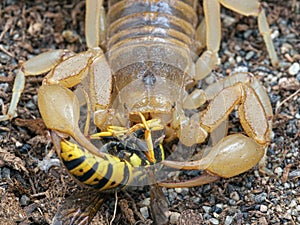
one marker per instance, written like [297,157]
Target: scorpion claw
[197,181]
[54,99]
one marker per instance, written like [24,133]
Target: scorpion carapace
[150,45]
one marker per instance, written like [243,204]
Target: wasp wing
[79,209]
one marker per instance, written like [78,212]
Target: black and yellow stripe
[106,173]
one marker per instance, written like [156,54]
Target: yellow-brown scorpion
[138,73]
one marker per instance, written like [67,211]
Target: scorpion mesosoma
[149,59]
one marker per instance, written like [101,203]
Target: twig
[285,100]
[115,209]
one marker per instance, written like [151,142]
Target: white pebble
[146,202]
[235,196]
[228,220]
[206,208]
[174,217]
[144,211]
[263,208]
[278,170]
[275,34]
[294,68]
[214,221]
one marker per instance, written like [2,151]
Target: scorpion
[142,59]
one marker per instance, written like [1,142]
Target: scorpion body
[150,45]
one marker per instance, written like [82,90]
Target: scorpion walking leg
[209,59]
[94,23]
[33,67]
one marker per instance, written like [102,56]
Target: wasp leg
[250,7]
[147,125]
[33,67]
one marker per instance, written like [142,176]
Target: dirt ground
[31,194]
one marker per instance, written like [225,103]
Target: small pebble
[260,197]
[217,209]
[214,221]
[206,216]
[228,20]
[263,208]
[239,59]
[275,34]
[174,217]
[216,215]
[247,33]
[235,196]
[6,173]
[146,202]
[278,208]
[30,105]
[144,211]
[206,209]
[294,69]
[182,191]
[4,87]
[249,55]
[172,196]
[287,185]
[231,202]
[285,48]
[278,171]
[228,220]
[24,200]
[4,58]
[294,212]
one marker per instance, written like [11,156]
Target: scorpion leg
[100,73]
[33,67]
[209,59]
[250,7]
[94,23]
[100,90]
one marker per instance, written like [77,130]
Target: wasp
[125,164]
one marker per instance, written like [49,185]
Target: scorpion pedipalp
[63,103]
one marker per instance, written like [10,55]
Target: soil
[32,182]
